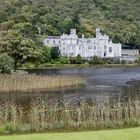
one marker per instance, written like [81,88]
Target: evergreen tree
[79,59]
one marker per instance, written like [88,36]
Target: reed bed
[45,114]
[27,83]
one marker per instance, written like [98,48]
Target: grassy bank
[123,134]
[27,83]
[54,66]
[71,66]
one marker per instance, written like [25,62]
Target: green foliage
[26,29]
[25,23]
[55,53]
[79,59]
[119,19]
[124,134]
[6,64]
[123,62]
[18,47]
[45,54]
[64,60]
[9,128]
[95,60]
[138,61]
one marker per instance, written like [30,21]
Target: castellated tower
[97,30]
[71,45]
[73,33]
[98,33]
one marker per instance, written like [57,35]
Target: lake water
[100,82]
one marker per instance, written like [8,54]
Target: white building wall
[117,50]
[132,52]
[52,42]
[70,45]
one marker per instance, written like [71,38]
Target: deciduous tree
[18,47]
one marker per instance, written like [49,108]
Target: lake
[100,82]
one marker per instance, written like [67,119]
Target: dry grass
[44,114]
[10,83]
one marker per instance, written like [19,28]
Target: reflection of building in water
[130,55]
[71,45]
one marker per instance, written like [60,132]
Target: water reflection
[100,83]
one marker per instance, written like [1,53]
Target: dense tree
[76,20]
[19,48]
[64,25]
[6,64]
[38,18]
[26,29]
[55,53]
[25,23]
[45,54]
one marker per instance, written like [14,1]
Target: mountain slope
[118,18]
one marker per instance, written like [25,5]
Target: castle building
[71,45]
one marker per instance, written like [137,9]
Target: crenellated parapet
[71,45]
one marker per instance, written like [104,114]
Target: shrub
[96,60]
[123,62]
[64,60]
[137,60]
[79,59]
[45,54]
[108,61]
[55,53]
[117,61]
[6,64]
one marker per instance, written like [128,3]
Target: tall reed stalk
[26,83]
[51,114]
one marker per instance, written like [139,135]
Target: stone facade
[71,45]
[130,55]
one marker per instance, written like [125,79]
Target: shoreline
[63,131]
[77,66]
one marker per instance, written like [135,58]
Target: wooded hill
[35,19]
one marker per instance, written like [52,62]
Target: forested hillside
[35,19]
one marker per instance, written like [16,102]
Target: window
[94,47]
[110,49]
[104,54]
[48,42]
[89,47]
[53,41]
[71,54]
